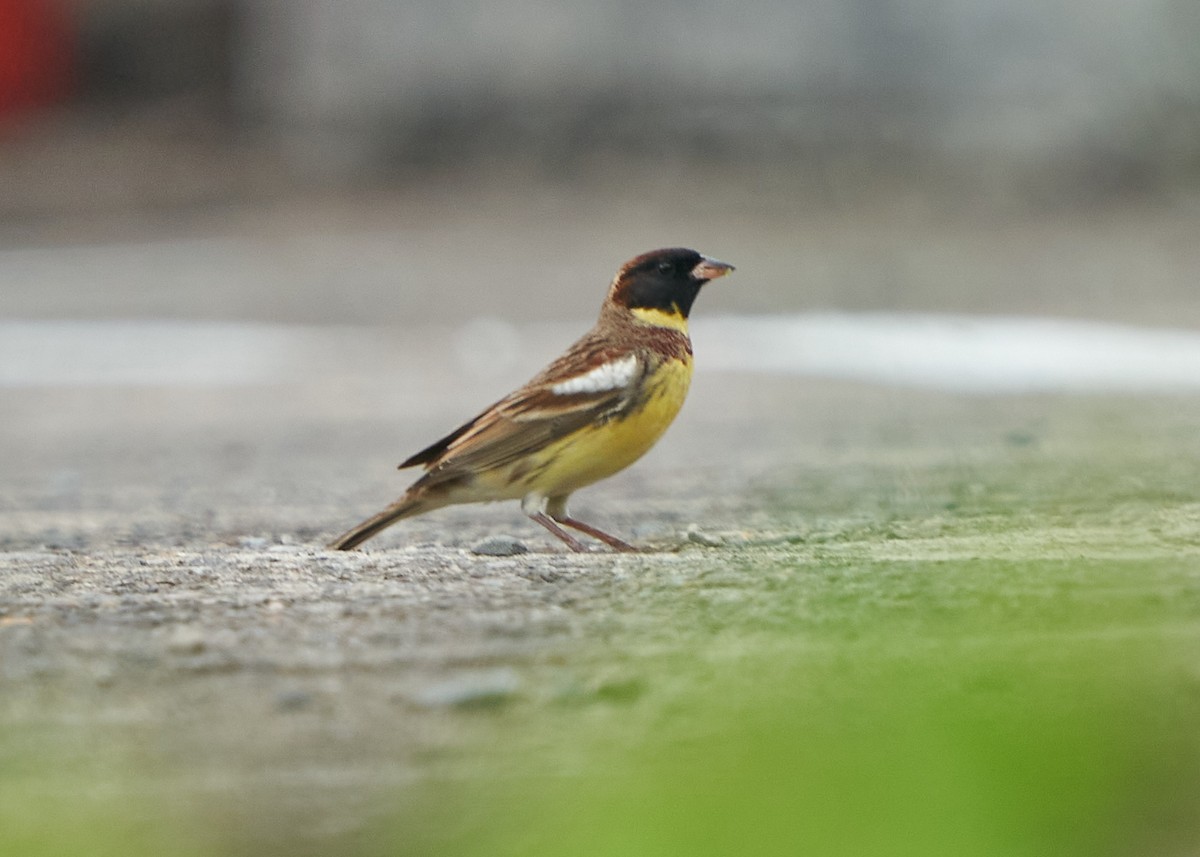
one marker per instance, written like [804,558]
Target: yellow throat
[661,318]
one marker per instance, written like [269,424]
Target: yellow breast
[596,452]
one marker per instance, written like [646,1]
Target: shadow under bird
[591,413]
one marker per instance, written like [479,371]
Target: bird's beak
[710,269]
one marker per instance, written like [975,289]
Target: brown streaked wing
[525,422]
[587,352]
[518,428]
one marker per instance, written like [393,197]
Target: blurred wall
[1108,90]
[142,50]
[1044,95]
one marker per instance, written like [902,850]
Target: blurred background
[356,160]
[371,216]
[255,252]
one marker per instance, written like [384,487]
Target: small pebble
[699,537]
[485,689]
[652,529]
[104,677]
[186,640]
[293,700]
[1021,438]
[500,546]
[621,690]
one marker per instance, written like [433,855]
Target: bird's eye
[665,267]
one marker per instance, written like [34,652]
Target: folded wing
[586,385]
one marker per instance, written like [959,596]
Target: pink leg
[612,541]
[545,520]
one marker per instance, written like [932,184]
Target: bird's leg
[546,521]
[612,541]
[556,509]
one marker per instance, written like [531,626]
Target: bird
[588,415]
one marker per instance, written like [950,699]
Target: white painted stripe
[973,354]
[608,376]
[145,353]
[983,354]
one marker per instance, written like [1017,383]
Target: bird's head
[664,282]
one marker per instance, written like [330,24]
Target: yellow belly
[597,452]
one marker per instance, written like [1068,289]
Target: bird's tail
[405,507]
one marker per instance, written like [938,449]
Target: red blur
[37,49]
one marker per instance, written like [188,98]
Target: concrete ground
[162,580]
